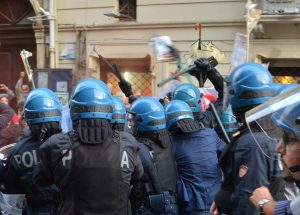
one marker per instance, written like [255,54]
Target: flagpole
[27,67]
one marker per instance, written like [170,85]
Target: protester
[22,88]
[6,114]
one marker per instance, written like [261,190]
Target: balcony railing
[277,7]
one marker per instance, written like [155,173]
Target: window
[127,9]
[285,71]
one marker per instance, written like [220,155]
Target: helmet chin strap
[43,133]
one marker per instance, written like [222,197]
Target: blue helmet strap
[251,94]
[85,109]
[43,114]
[93,131]
[185,126]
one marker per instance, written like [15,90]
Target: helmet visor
[226,97]
[274,122]
[130,125]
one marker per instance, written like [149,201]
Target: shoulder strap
[75,143]
[149,164]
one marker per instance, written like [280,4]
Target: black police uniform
[94,178]
[246,168]
[156,192]
[18,178]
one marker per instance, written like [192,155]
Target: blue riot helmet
[177,110]
[285,88]
[90,83]
[276,118]
[119,110]
[229,122]
[41,106]
[180,118]
[148,115]
[289,120]
[276,87]
[249,84]
[190,94]
[91,99]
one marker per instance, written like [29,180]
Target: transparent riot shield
[271,121]
[10,204]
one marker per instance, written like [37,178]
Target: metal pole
[215,113]
[247,30]
[52,35]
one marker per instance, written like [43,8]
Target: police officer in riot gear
[283,113]
[156,192]
[244,165]
[119,114]
[42,112]
[190,94]
[196,152]
[92,165]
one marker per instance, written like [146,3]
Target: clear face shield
[273,124]
[226,97]
[130,123]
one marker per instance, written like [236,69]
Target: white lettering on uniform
[18,159]
[125,160]
[28,159]
[66,157]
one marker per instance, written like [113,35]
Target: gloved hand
[206,64]
[202,64]
[201,70]
[126,88]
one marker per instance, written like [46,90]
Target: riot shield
[278,119]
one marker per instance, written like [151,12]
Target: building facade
[91,34]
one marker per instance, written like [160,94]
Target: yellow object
[285,79]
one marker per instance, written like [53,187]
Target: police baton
[118,73]
[212,63]
[113,67]
[176,75]
[213,108]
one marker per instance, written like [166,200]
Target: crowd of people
[166,156]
